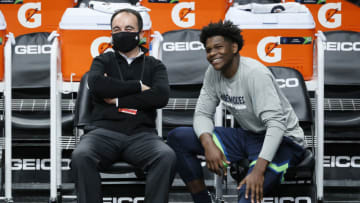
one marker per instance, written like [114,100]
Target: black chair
[30,119]
[342,86]
[341,111]
[293,86]
[186,69]
[31,85]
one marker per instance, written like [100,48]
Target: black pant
[100,148]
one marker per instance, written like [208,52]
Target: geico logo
[29,15]
[329,15]
[182,14]
[342,161]
[287,82]
[33,49]
[183,46]
[268,50]
[123,199]
[342,46]
[36,164]
[100,45]
[301,199]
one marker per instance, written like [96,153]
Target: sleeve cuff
[202,125]
[117,102]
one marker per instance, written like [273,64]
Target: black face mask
[125,41]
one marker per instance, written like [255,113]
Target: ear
[234,47]
[142,39]
[141,34]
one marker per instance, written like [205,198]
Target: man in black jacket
[127,87]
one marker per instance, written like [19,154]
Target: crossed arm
[131,93]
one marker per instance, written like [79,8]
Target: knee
[178,134]
[164,159]
[81,158]
[168,157]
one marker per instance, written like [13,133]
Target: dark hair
[132,11]
[226,29]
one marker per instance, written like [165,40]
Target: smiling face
[220,53]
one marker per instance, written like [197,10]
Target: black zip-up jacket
[123,82]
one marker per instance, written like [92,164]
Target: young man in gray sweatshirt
[269,135]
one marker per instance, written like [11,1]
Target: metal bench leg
[9,200]
[219,188]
